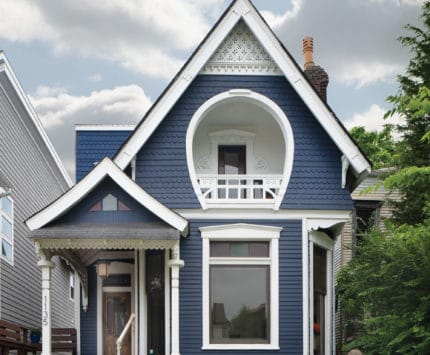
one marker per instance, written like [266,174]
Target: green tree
[379,147]
[385,291]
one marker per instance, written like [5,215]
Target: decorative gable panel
[241,53]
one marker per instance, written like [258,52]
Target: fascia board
[7,69]
[106,168]
[187,75]
[70,198]
[147,200]
[306,92]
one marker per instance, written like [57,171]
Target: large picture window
[241,287]
[6,228]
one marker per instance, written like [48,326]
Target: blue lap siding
[316,178]
[93,146]
[290,290]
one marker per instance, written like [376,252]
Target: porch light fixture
[103,269]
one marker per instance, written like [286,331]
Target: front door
[116,312]
[155,297]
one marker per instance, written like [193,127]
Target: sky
[107,61]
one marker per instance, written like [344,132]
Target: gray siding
[25,162]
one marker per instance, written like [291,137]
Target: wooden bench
[64,340]
[14,337]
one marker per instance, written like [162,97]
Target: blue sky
[106,61]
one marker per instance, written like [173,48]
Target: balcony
[240,150]
[224,189]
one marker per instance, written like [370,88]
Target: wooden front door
[116,312]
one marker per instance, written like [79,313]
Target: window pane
[259,249]
[110,203]
[6,228]
[239,249]
[6,206]
[220,249]
[6,250]
[96,207]
[239,315]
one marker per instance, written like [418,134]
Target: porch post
[46,265]
[175,264]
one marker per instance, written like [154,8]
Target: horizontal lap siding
[290,290]
[29,169]
[316,178]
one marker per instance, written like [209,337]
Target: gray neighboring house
[31,176]
[371,207]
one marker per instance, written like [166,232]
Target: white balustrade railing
[239,188]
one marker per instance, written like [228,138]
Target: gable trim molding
[264,103]
[106,168]
[243,9]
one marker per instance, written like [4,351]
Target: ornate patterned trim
[241,53]
[104,244]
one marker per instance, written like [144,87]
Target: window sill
[240,347]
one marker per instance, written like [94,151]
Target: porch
[130,293]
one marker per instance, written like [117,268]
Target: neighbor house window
[240,292]
[6,228]
[72,285]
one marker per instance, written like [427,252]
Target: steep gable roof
[244,10]
[105,168]
[6,69]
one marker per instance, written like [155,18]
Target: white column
[175,264]
[46,265]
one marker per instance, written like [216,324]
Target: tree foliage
[385,291]
[379,147]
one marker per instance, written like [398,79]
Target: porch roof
[130,231]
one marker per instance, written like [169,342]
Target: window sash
[250,318]
[6,229]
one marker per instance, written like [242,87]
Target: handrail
[124,332]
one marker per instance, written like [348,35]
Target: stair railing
[130,325]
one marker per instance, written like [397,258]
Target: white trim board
[243,9]
[268,214]
[104,127]
[244,232]
[106,168]
[7,69]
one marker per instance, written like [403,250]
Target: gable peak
[241,53]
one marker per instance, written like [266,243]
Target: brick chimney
[315,74]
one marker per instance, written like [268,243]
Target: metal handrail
[124,332]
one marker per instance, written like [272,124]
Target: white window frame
[323,241]
[72,276]
[10,239]
[242,232]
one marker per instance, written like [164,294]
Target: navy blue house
[209,228]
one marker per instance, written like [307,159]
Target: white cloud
[372,119]
[95,78]
[145,36]
[355,41]
[60,111]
